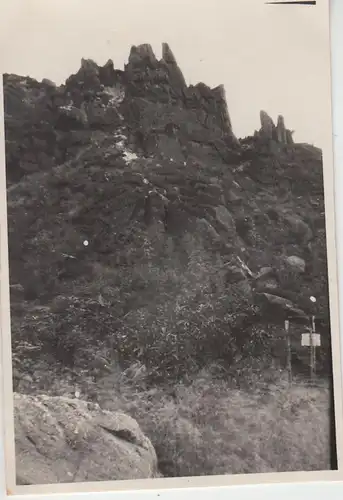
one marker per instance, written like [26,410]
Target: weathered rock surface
[296,263]
[271,133]
[67,440]
[267,126]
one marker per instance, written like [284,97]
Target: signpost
[314,351]
[289,352]
[312,340]
[306,339]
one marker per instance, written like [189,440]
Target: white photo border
[311,485]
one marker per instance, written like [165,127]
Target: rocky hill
[141,229]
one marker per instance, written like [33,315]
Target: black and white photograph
[169,292]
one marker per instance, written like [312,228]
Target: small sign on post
[306,340]
[312,340]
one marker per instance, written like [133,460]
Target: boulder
[296,263]
[207,231]
[235,274]
[299,228]
[265,278]
[71,117]
[101,115]
[17,291]
[282,307]
[265,272]
[49,83]
[225,219]
[61,440]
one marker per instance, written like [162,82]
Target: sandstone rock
[17,288]
[174,70]
[281,130]
[71,117]
[225,219]
[235,274]
[108,75]
[267,126]
[100,115]
[90,66]
[49,83]
[282,306]
[277,135]
[142,53]
[65,440]
[267,283]
[220,98]
[86,79]
[265,272]
[289,137]
[207,231]
[265,278]
[245,288]
[299,228]
[296,263]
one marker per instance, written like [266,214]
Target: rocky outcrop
[267,130]
[62,440]
[281,307]
[174,208]
[149,96]
[271,133]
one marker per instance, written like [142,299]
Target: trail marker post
[289,352]
[312,339]
[314,345]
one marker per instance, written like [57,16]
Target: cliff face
[198,245]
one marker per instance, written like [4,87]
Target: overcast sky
[268,57]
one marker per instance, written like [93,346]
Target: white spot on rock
[86,243]
[129,156]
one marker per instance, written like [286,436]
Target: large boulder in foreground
[62,440]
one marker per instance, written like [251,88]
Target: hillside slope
[142,230]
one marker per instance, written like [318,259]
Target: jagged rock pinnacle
[89,65]
[167,54]
[174,71]
[140,53]
[289,136]
[220,94]
[281,130]
[267,125]
[109,64]
[279,133]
